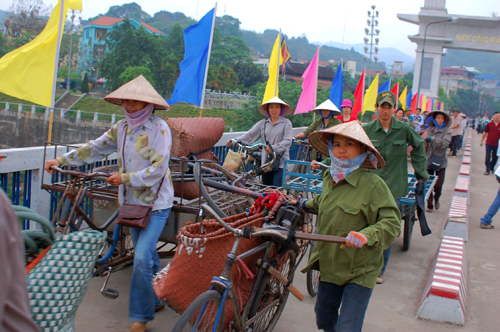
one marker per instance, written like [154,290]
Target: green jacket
[361,202]
[392,146]
[315,126]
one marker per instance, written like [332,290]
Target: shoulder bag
[134,215]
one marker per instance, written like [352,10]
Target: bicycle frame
[224,285]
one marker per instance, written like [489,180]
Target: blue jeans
[143,300]
[488,217]
[273,178]
[491,158]
[354,299]
[387,252]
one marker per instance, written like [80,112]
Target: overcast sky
[319,20]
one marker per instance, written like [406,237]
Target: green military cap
[386,97]
[456,110]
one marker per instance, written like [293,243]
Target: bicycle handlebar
[250,147]
[80,174]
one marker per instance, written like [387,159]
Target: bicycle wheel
[191,320]
[229,203]
[272,295]
[312,277]
[408,229]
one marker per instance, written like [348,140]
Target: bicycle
[270,290]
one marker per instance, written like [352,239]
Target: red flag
[358,96]
[414,103]
[395,90]
[428,107]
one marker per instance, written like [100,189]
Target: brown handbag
[133,215]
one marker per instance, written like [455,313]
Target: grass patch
[87,104]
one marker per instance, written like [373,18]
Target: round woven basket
[200,256]
[190,135]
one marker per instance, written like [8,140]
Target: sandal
[486,173]
[138,327]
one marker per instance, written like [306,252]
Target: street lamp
[451,19]
[371,31]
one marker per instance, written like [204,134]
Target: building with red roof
[93,43]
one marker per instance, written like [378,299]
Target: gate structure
[472,33]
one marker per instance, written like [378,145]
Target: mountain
[385,54]
[301,49]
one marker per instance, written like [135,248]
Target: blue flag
[385,87]
[336,91]
[408,99]
[190,85]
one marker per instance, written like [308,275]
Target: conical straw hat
[434,113]
[138,89]
[327,105]
[353,130]
[275,100]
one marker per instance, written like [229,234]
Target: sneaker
[379,279]
[490,226]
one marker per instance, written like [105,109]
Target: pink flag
[307,100]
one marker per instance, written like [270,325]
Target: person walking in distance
[492,135]
[456,132]
[390,137]
[439,137]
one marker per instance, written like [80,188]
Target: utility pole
[68,84]
[371,32]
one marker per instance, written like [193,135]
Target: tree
[85,84]
[27,15]
[132,72]
[248,73]
[130,47]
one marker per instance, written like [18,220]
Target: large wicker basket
[200,256]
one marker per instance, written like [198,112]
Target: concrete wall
[19,129]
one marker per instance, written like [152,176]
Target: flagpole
[278,66]
[56,62]
[208,61]
[317,74]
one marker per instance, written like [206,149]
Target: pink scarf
[137,119]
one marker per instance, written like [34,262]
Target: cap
[386,97]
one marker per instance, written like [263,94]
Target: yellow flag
[28,71]
[424,103]
[371,96]
[402,98]
[272,86]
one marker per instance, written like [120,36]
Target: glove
[301,203]
[355,240]
[428,139]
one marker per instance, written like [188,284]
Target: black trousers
[438,187]
[454,144]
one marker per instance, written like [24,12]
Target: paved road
[394,304]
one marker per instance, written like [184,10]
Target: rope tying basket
[202,255]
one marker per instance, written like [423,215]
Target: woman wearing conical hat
[276,129]
[143,143]
[357,205]
[327,110]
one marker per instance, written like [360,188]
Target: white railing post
[62,114]
[96,117]
[78,116]
[33,111]
[19,110]
[7,106]
[113,119]
[47,114]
